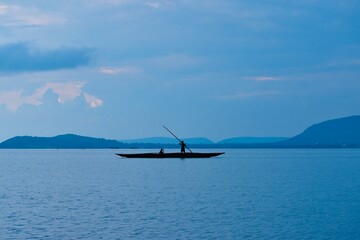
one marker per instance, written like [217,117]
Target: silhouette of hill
[61,141]
[342,132]
[166,140]
[246,140]
[151,140]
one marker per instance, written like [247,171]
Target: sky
[121,69]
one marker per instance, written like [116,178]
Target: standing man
[183,145]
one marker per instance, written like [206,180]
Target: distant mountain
[247,140]
[152,140]
[75,142]
[199,140]
[166,140]
[61,141]
[342,132]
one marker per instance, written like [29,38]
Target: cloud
[21,57]
[262,78]
[118,70]
[12,100]
[3,9]
[138,3]
[17,16]
[155,5]
[111,2]
[248,95]
[65,92]
[93,101]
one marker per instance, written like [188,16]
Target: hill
[61,141]
[342,132]
[166,140]
[250,140]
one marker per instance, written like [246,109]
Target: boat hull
[169,155]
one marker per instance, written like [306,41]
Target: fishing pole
[176,137]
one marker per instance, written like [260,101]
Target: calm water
[245,194]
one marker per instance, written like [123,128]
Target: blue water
[244,194]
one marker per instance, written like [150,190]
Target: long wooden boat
[169,155]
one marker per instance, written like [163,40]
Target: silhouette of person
[182,146]
[161,151]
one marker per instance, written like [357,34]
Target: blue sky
[121,69]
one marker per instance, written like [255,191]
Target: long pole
[176,137]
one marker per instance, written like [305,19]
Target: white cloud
[112,2]
[3,9]
[248,95]
[118,70]
[12,100]
[65,92]
[13,15]
[42,20]
[262,78]
[155,5]
[93,101]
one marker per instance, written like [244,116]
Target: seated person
[161,151]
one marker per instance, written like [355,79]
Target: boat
[161,154]
[169,155]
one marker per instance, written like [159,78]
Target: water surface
[244,194]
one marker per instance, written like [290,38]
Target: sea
[243,194]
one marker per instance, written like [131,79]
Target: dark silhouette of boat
[169,155]
[162,154]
